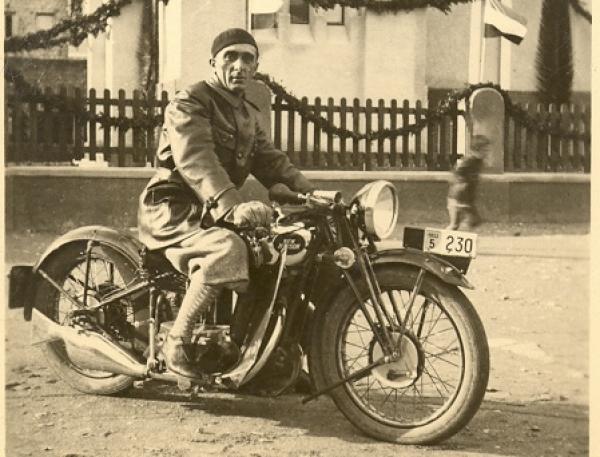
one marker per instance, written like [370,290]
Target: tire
[70,260]
[428,357]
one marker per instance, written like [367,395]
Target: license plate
[450,242]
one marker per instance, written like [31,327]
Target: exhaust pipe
[85,348]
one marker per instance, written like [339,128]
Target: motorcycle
[385,331]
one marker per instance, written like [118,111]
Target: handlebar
[282,194]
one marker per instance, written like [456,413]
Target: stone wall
[57,199]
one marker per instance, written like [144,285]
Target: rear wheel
[109,271]
[436,386]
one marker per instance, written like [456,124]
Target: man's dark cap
[232,36]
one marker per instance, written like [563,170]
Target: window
[264,21]
[8,25]
[335,16]
[44,21]
[299,11]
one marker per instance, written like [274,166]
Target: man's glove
[251,214]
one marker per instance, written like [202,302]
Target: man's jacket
[210,142]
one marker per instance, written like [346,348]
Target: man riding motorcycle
[211,140]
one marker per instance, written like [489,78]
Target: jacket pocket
[224,138]
[167,191]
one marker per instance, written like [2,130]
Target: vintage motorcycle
[385,331]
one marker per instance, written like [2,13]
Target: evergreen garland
[554,60]
[72,30]
[388,6]
[540,124]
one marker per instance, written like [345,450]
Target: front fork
[392,350]
[385,320]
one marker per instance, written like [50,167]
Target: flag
[499,19]
[264,6]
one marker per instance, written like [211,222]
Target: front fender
[120,240]
[333,280]
[435,265]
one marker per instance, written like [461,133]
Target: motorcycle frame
[326,218]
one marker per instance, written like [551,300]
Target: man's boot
[180,354]
[179,357]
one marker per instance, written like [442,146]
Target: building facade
[52,67]
[356,53]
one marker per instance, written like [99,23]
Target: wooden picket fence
[59,127]
[308,145]
[526,149]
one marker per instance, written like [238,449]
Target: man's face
[235,65]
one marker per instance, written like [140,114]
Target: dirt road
[535,310]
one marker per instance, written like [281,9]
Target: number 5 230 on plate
[450,242]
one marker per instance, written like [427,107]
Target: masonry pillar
[486,118]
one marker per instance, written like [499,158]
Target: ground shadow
[511,429]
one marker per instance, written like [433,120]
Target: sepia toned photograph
[298,228]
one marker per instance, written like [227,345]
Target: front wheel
[438,383]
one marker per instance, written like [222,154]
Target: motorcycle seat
[155,260]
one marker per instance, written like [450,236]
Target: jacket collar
[234,100]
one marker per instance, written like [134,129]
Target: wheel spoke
[439,378]
[430,332]
[433,324]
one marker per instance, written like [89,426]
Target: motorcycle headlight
[378,202]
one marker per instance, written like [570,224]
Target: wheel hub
[402,372]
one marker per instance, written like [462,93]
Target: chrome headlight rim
[368,202]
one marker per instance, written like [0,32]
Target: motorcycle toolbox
[19,286]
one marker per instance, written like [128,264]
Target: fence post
[277,108]
[393,126]
[79,123]
[343,110]
[125,160]
[418,116]
[93,127]
[317,136]
[49,148]
[486,118]
[108,148]
[368,111]
[356,156]
[33,128]
[331,162]
[63,116]
[405,136]
[137,132]
[380,126]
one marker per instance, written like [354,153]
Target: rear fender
[120,240]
